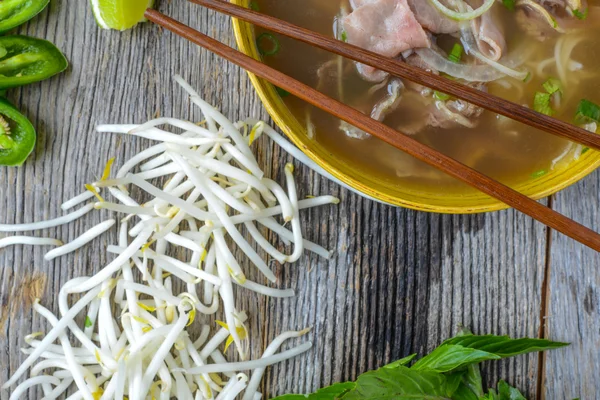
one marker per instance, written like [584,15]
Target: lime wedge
[119,14]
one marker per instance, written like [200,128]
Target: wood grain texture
[400,281]
[574,300]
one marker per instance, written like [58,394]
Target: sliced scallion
[539,174]
[268,44]
[587,112]
[581,14]
[552,86]
[456,53]
[441,96]
[541,103]
[281,92]
[509,4]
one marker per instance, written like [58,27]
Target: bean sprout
[81,240]
[135,339]
[28,240]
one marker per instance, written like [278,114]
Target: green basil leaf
[453,381]
[449,357]
[507,392]
[401,362]
[333,392]
[491,395]
[464,393]
[503,346]
[471,386]
[472,379]
[399,383]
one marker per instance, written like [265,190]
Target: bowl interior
[384,189]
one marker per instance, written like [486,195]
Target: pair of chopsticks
[401,141]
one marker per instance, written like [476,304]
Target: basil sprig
[450,372]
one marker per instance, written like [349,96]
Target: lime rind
[119,14]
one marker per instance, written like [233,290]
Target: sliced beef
[427,111]
[418,62]
[534,24]
[387,27]
[388,104]
[563,8]
[465,109]
[454,113]
[489,34]
[532,20]
[431,19]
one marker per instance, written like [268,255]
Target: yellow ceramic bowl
[384,190]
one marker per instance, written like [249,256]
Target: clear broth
[505,150]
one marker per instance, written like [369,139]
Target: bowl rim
[537,189]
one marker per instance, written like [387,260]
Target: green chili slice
[17,135]
[16,12]
[268,44]
[28,60]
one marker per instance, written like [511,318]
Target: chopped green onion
[552,86]
[541,103]
[587,112]
[581,15]
[254,6]
[539,174]
[585,150]
[441,96]
[88,322]
[456,53]
[344,36]
[510,4]
[281,92]
[273,42]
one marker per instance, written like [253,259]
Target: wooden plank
[400,281]
[574,300]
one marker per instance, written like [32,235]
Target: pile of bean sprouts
[136,340]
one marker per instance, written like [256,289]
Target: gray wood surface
[400,281]
[574,300]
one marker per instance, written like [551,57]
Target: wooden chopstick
[414,74]
[403,142]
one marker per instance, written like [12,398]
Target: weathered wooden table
[400,281]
